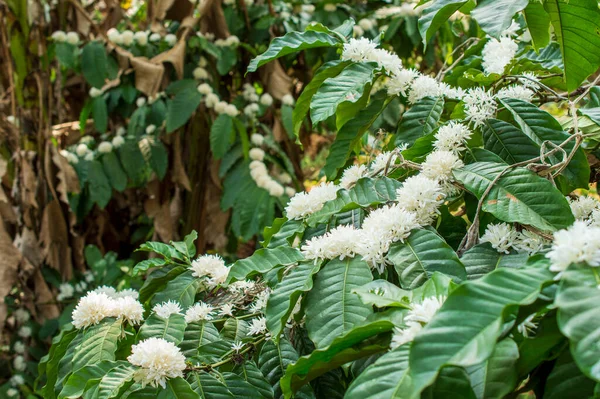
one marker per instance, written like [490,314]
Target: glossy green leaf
[77,382]
[262,261]
[159,159]
[222,135]
[183,105]
[114,171]
[282,300]
[421,119]
[94,64]
[158,279]
[290,43]
[422,254]
[448,340]
[538,23]
[273,360]
[60,345]
[208,386]
[508,142]
[178,388]
[116,381]
[144,265]
[253,376]
[575,25]
[497,376]
[482,259]
[100,114]
[99,343]
[133,161]
[332,309]
[100,188]
[348,86]
[567,381]
[436,15]
[382,293]
[170,329]
[518,196]
[196,335]
[181,289]
[240,388]
[495,16]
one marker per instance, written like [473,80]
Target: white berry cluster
[260,174]
[69,37]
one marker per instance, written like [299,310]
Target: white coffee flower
[21,315]
[212,266]
[205,89]
[72,38]
[452,137]
[257,139]
[89,156]
[24,332]
[258,326]
[105,147]
[150,129]
[211,100]
[439,165]
[516,91]
[266,100]
[198,312]
[340,242]
[530,81]
[401,82]
[530,243]
[527,326]
[19,347]
[12,392]
[171,39]
[251,110]
[423,312]
[502,236]
[577,244]
[200,73]
[330,7]
[290,191]
[423,86]
[140,102]
[109,291]
[59,36]
[308,8]
[202,62]
[155,37]
[220,107]
[117,141]
[19,363]
[226,310]
[365,24]
[129,292]
[306,203]
[94,92]
[422,196]
[65,291]
[275,189]
[232,41]
[288,99]
[159,360]
[141,38]
[383,161]
[479,106]
[357,31]
[91,309]
[231,110]
[237,346]
[352,174]
[121,131]
[17,380]
[358,49]
[127,37]
[256,154]
[128,309]
[402,336]
[82,149]
[583,206]
[497,54]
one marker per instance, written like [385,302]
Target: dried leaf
[10,259]
[54,240]
[68,182]
[175,56]
[148,75]
[179,175]
[278,83]
[46,308]
[213,19]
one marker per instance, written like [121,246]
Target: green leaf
[382,293]
[181,289]
[348,86]
[253,376]
[133,161]
[235,329]
[60,345]
[420,255]
[178,388]
[170,329]
[451,383]
[144,265]
[547,342]
[483,259]
[436,15]
[99,343]
[282,300]
[579,317]
[114,171]
[196,335]
[355,344]
[100,114]
[222,135]
[208,386]
[273,360]
[540,126]
[496,377]
[116,381]
[167,251]
[158,279]
[420,120]
[518,196]
[240,388]
[183,105]
[538,23]
[332,309]
[387,378]
[76,384]
[575,25]
[283,234]
[328,70]
[100,188]
[290,43]
[508,142]
[159,158]
[365,193]
[566,380]
[349,135]
[226,60]
[495,16]
[94,64]
[66,54]
[448,340]
[262,261]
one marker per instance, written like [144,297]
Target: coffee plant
[443,242]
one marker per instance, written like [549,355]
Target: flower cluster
[504,238]
[586,208]
[363,49]
[261,175]
[158,360]
[416,318]
[211,266]
[304,204]
[70,37]
[107,302]
[140,38]
[211,100]
[580,243]
[497,54]
[452,137]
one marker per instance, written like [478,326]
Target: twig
[442,72]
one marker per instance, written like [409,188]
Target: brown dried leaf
[10,259]
[54,240]
[29,181]
[278,83]
[68,182]
[148,75]
[179,175]
[213,19]
[46,307]
[175,56]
